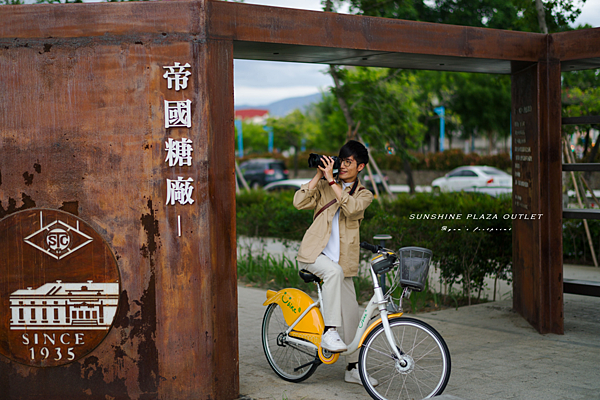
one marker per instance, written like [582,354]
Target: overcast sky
[262,82]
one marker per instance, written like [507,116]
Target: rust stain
[70,207]
[144,325]
[28,178]
[28,202]
[145,329]
[150,224]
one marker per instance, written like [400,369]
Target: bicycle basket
[414,267]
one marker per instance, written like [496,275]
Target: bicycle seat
[308,277]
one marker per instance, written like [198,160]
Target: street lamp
[441,111]
[238,126]
[269,130]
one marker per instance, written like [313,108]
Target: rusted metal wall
[82,130]
[537,194]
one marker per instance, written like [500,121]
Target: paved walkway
[495,354]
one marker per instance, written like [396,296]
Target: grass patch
[264,270]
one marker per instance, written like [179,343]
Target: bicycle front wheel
[422,373]
[291,361]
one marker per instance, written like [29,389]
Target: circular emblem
[59,288]
[58,240]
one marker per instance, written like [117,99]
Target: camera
[315,160]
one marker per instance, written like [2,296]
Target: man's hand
[313,182]
[328,170]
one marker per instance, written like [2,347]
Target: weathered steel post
[537,192]
[121,116]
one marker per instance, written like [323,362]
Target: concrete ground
[495,353]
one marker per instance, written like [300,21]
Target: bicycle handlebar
[371,247]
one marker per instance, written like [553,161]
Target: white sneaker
[331,341]
[353,376]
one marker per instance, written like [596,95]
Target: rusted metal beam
[102,20]
[588,119]
[577,45]
[584,288]
[574,213]
[581,167]
[273,33]
[537,165]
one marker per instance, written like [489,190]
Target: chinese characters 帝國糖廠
[179,152]
[178,114]
[180,191]
[177,75]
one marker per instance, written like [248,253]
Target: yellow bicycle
[408,358]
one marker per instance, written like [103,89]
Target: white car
[471,178]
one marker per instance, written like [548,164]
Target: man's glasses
[347,162]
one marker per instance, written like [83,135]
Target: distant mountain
[283,107]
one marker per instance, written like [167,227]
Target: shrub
[467,248]
[444,161]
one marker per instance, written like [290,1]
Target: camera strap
[325,207]
[332,202]
[353,187]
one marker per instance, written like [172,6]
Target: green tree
[483,104]
[329,133]
[437,89]
[480,103]
[384,101]
[577,102]
[289,132]
[255,138]
[519,15]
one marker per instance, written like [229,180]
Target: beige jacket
[322,199]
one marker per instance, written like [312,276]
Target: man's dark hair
[356,150]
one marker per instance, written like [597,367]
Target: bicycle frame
[313,335]
[402,356]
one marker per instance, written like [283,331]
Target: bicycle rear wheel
[427,368]
[291,361]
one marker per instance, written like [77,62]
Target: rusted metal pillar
[87,118]
[537,192]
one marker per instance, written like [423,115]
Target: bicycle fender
[293,302]
[374,325]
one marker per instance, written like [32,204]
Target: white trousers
[340,307]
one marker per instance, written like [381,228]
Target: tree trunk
[343,105]
[591,158]
[295,161]
[409,175]
[328,7]
[586,143]
[541,16]
[495,285]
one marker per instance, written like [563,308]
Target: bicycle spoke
[291,361]
[425,375]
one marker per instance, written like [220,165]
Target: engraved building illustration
[81,306]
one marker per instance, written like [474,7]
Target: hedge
[470,241]
[467,248]
[443,161]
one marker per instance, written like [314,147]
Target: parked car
[288,184]
[261,171]
[472,177]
